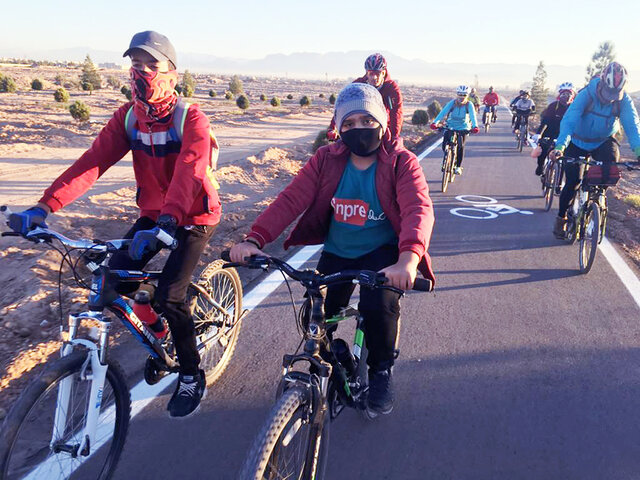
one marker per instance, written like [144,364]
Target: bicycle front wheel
[26,447]
[289,446]
[590,238]
[217,328]
[549,186]
[447,170]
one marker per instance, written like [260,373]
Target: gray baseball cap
[155,44]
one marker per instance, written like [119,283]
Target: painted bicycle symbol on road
[484,208]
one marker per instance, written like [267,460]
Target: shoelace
[187,389]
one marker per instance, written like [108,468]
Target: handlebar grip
[167,239]
[423,285]
[6,211]
[225,255]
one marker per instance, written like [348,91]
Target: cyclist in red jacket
[377,75]
[175,194]
[490,101]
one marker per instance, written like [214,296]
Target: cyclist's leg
[493,112]
[545,144]
[337,296]
[462,138]
[608,152]
[573,176]
[171,294]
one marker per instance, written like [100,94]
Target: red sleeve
[416,207]
[394,105]
[290,203]
[108,148]
[190,170]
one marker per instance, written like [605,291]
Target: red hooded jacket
[491,99]
[401,187]
[171,177]
[392,99]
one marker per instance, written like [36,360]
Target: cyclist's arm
[443,113]
[190,170]
[571,119]
[109,147]
[394,104]
[630,122]
[474,119]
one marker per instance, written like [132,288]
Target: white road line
[624,272]
[429,150]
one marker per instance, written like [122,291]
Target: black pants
[380,309]
[520,117]
[462,138]
[609,151]
[171,294]
[546,144]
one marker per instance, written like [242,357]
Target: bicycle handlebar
[367,278]
[590,161]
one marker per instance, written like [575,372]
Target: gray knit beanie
[360,98]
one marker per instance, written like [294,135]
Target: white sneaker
[457,170]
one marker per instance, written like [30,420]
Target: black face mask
[362,141]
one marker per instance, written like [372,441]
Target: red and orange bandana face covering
[154,94]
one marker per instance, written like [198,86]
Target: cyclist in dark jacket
[366,199]
[176,195]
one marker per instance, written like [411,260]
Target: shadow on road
[523,275]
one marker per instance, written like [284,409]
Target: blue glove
[25,221]
[152,240]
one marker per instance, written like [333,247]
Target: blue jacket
[461,117]
[588,123]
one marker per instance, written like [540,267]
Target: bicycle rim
[590,238]
[27,431]
[446,174]
[217,332]
[549,185]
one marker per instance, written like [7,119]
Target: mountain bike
[551,176]
[450,158]
[487,118]
[587,216]
[522,137]
[72,420]
[293,443]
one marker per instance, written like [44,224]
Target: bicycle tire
[19,418]
[446,174]
[286,418]
[549,186]
[224,285]
[590,238]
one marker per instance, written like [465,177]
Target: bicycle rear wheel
[289,446]
[590,238]
[217,330]
[446,173]
[549,186]
[25,443]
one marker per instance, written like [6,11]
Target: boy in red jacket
[176,196]
[388,231]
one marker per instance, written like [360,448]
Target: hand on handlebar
[434,126]
[332,135]
[25,221]
[242,250]
[146,241]
[555,154]
[475,130]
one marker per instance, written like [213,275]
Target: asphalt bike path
[517,367]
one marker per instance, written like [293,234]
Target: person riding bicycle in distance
[366,199]
[377,75]
[473,98]
[491,100]
[524,106]
[175,195]
[588,128]
[458,115]
[512,106]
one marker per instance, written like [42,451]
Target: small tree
[305,101]
[263,97]
[80,111]
[602,57]
[235,85]
[290,97]
[332,99]
[113,81]
[420,117]
[126,91]
[212,94]
[61,95]
[179,89]
[228,95]
[275,102]
[59,80]
[539,91]
[36,84]
[187,91]
[87,87]
[434,109]
[320,140]
[321,95]
[7,84]
[188,84]
[243,102]
[90,75]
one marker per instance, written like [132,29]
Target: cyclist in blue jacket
[458,115]
[589,127]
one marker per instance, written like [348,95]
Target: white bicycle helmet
[463,90]
[566,86]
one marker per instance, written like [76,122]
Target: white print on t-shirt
[354,212]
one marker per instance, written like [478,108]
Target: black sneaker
[189,391]
[538,170]
[380,397]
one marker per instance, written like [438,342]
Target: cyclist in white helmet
[457,116]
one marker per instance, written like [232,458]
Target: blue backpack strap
[179,117]
[130,124]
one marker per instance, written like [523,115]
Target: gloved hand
[475,130]
[332,135]
[555,154]
[146,241]
[433,126]
[25,221]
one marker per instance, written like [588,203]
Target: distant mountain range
[340,65]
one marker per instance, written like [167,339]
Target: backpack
[176,132]
[454,106]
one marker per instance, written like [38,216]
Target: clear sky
[563,32]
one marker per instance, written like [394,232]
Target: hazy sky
[561,32]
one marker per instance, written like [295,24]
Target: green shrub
[321,95]
[187,91]
[321,139]
[263,97]
[290,97]
[87,87]
[228,95]
[7,84]
[275,102]
[434,109]
[61,95]
[305,101]
[243,102]
[126,91]
[212,94]
[633,200]
[420,117]
[188,84]
[90,75]
[179,89]
[332,99]
[36,84]
[80,111]
[59,80]
[235,85]
[113,81]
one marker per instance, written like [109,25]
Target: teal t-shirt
[358,224]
